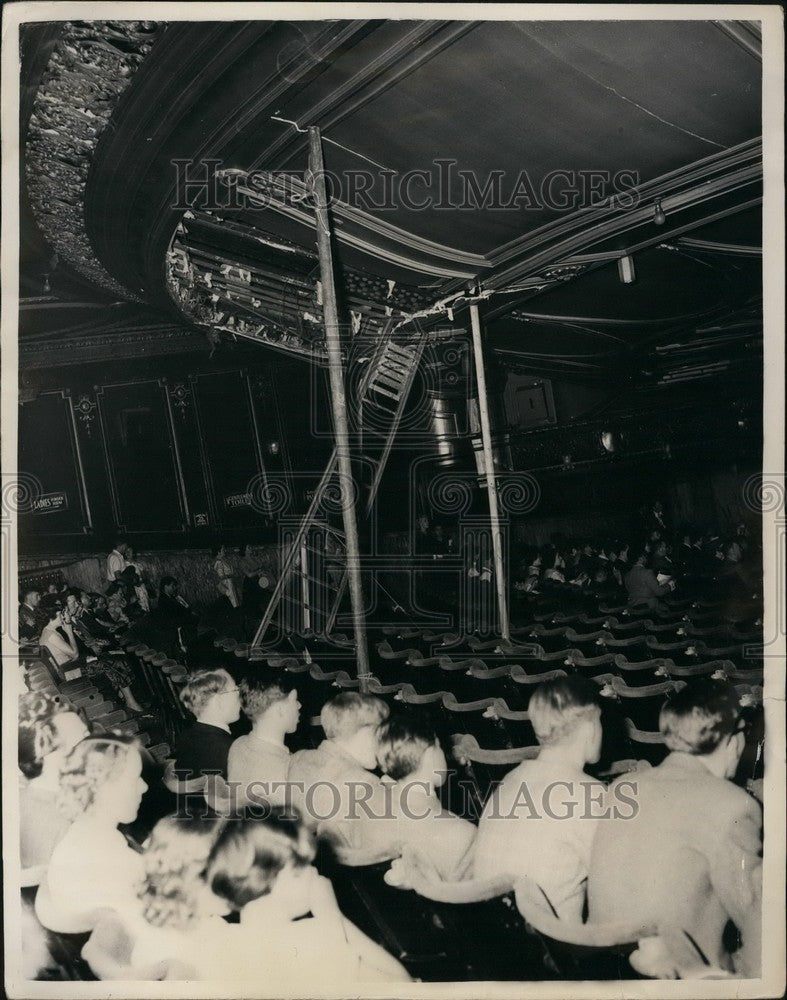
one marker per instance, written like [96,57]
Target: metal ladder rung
[384,392]
[319,581]
[393,367]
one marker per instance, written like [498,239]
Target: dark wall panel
[48,455]
[231,446]
[141,456]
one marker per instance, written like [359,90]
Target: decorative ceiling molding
[129,343]
[89,69]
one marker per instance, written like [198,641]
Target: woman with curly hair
[48,730]
[263,869]
[94,867]
[174,929]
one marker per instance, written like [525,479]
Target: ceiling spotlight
[626,271]
[566,461]
[659,218]
[609,440]
[273,447]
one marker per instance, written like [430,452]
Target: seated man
[540,821]
[259,761]
[689,857]
[31,618]
[212,696]
[329,783]
[411,821]
[643,587]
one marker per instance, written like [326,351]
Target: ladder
[313,577]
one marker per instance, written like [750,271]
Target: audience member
[176,929]
[203,747]
[414,823]
[117,561]
[337,776]
[642,586]
[48,731]
[93,866]
[116,604]
[226,580]
[257,579]
[259,761]
[689,857]
[288,913]
[140,588]
[540,821]
[60,642]
[31,618]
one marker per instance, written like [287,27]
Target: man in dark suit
[688,860]
[643,587]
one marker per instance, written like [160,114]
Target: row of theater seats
[476,690]
[94,699]
[461,934]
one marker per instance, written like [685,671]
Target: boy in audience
[413,823]
[259,762]
[540,821]
[328,784]
[212,696]
[689,858]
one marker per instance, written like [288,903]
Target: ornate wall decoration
[90,67]
[180,395]
[84,409]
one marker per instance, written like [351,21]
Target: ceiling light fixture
[626,271]
[659,218]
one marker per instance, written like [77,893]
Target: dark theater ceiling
[164,191]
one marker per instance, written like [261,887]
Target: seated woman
[48,731]
[116,604]
[263,869]
[60,642]
[94,867]
[140,587]
[174,930]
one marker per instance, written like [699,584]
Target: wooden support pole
[489,465]
[339,406]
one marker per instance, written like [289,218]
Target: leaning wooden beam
[491,484]
[339,406]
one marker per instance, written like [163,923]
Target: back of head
[258,694]
[349,712]
[249,854]
[699,717]
[175,860]
[37,731]
[558,706]
[92,763]
[403,741]
[202,686]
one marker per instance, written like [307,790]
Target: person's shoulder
[304,759]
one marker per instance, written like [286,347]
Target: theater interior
[288,289]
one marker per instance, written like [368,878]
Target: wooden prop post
[339,405]
[491,485]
